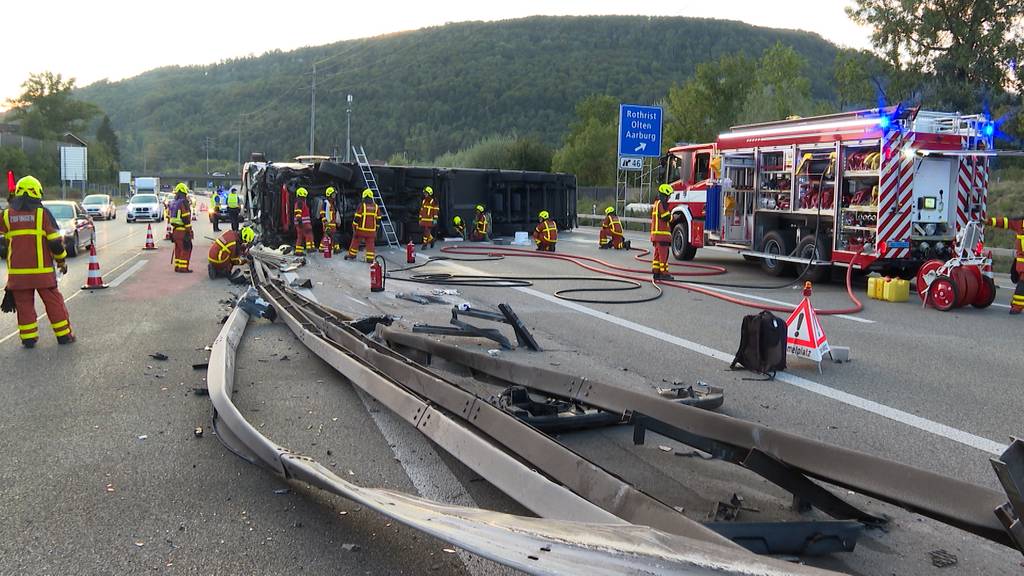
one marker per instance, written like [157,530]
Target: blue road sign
[639,130]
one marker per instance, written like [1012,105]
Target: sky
[97,39]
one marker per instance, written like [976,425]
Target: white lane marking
[357,301]
[911,420]
[779,302]
[428,473]
[68,299]
[127,273]
[1001,305]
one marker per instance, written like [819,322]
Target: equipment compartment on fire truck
[871,186]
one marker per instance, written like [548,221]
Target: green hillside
[428,91]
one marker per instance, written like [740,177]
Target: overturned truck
[511,198]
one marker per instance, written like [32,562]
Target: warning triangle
[806,337]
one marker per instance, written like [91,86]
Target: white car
[100,206]
[144,208]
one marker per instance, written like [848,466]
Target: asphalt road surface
[104,475]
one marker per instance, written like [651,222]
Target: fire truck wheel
[943,293]
[807,248]
[681,247]
[776,242]
[986,293]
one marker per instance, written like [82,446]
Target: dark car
[76,226]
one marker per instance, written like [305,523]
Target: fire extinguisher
[410,253]
[378,270]
[328,246]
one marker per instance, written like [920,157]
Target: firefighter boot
[29,342]
[66,339]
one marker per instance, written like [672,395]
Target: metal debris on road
[143,437]
[282,491]
[200,391]
[201,366]
[942,558]
[158,356]
[351,547]
[198,432]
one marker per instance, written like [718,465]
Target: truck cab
[690,169]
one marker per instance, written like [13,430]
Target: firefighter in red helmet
[35,252]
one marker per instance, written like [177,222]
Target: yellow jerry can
[896,290]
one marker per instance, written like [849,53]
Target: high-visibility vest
[546,231]
[30,234]
[660,217]
[327,212]
[302,211]
[232,200]
[428,210]
[612,225]
[365,219]
[224,248]
[481,223]
[1018,228]
[181,217]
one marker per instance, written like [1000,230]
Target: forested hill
[426,91]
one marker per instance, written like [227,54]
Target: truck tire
[776,242]
[681,247]
[338,171]
[807,248]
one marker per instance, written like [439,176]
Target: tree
[46,109]
[105,135]
[589,150]
[780,88]
[709,102]
[529,154]
[12,158]
[970,47]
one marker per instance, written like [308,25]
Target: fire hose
[618,274]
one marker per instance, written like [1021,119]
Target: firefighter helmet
[479,208]
[248,234]
[665,189]
[301,192]
[543,215]
[367,193]
[609,210]
[457,220]
[181,188]
[429,191]
[330,191]
[29,186]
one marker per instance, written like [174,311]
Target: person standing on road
[234,208]
[428,216]
[328,220]
[661,233]
[545,235]
[228,250]
[35,250]
[215,208]
[459,226]
[303,224]
[479,233]
[611,235]
[1017,270]
[364,228]
[180,211]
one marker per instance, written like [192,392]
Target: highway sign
[639,130]
[631,163]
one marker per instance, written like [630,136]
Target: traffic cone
[94,280]
[150,245]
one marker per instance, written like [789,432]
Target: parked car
[76,226]
[100,206]
[144,207]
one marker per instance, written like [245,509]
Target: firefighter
[611,231]
[228,251]
[234,208]
[1017,270]
[215,208]
[545,235]
[428,216]
[303,224]
[459,226]
[364,227]
[180,211]
[328,220]
[35,250]
[479,233]
[661,233]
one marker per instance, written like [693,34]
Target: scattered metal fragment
[351,547]
[553,415]
[368,324]
[282,491]
[201,366]
[297,283]
[198,432]
[942,558]
[158,356]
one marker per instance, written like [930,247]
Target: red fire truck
[893,185]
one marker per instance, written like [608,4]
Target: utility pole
[207,140]
[348,130]
[312,112]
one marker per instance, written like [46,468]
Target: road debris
[942,559]
[143,437]
[158,356]
[282,491]
[200,391]
[351,547]
[198,432]
[201,366]
[110,487]
[140,543]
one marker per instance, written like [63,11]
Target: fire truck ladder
[385,220]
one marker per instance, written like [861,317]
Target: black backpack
[762,344]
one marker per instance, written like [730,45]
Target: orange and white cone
[150,245]
[94,280]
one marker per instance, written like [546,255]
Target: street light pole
[312,112]
[348,130]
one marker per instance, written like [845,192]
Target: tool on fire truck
[964,279]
